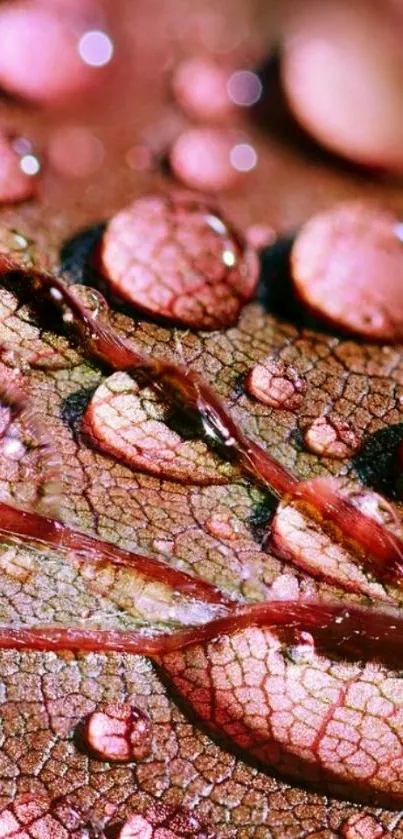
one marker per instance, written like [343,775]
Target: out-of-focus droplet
[74,151]
[39,57]
[200,88]
[95,48]
[243,157]
[119,733]
[277,384]
[244,88]
[16,181]
[13,448]
[343,76]
[332,436]
[30,164]
[201,158]
[347,267]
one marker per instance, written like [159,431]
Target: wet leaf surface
[217,532]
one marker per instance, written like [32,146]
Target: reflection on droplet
[244,88]
[399,230]
[13,448]
[29,164]
[229,258]
[95,48]
[243,157]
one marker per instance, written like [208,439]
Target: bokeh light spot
[95,48]
[243,157]
[244,88]
[30,164]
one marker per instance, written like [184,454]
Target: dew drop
[162,821]
[202,158]
[92,299]
[201,89]
[362,826]
[222,526]
[177,257]
[332,436]
[277,384]
[118,733]
[347,268]
[13,448]
[136,827]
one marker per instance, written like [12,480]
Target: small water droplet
[332,436]
[222,526]
[275,383]
[118,733]
[362,826]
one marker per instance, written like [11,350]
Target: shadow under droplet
[74,405]
[377,462]
[76,255]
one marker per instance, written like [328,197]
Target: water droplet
[277,384]
[362,826]
[13,448]
[223,526]
[163,819]
[207,158]
[92,299]
[177,258]
[200,88]
[332,436]
[136,827]
[119,733]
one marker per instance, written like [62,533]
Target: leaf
[216,532]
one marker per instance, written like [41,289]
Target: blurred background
[100,99]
